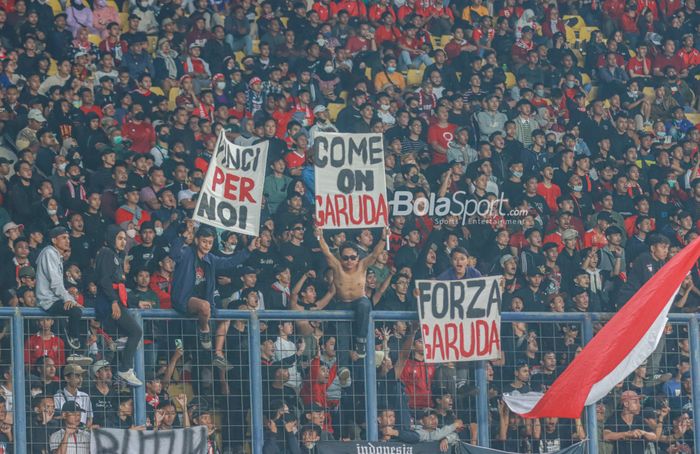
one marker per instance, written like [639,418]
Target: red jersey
[594,238]
[383,34]
[142,135]
[636,64]
[162,287]
[376,12]
[417,376]
[294,159]
[556,239]
[323,10]
[35,347]
[442,137]
[355,8]
[550,195]
[690,57]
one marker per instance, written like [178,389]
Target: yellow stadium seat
[593,94]
[579,25]
[94,39]
[113,4]
[649,93]
[172,96]
[694,118]
[152,43]
[343,95]
[414,77]
[53,67]
[579,57]
[368,73]
[240,55]
[256,46]
[157,90]
[510,80]
[444,39]
[334,109]
[585,78]
[124,19]
[284,21]
[56,6]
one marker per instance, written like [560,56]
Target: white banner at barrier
[123,441]
[232,195]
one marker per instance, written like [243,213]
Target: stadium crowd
[580,116]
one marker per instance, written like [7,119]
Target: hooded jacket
[184,275]
[109,270]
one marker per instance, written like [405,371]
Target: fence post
[482,405]
[591,417]
[140,371]
[256,394]
[694,331]
[371,385]
[19,405]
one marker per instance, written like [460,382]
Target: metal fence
[245,401]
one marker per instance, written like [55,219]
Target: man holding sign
[349,274]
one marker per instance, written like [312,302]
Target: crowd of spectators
[579,116]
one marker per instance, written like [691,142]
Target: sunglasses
[299,228]
[348,257]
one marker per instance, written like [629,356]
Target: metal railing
[253,320]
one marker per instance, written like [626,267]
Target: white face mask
[221,85]
[52,212]
[328,69]
[159,231]
[62,167]
[131,233]
[384,106]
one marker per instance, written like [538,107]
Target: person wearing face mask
[389,76]
[322,123]
[73,195]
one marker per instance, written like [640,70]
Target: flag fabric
[623,344]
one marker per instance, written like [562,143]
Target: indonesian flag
[623,344]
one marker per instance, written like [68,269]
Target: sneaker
[80,360]
[73,342]
[361,349]
[220,362]
[205,340]
[130,378]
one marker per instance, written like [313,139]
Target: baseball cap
[569,234]
[35,114]
[57,231]
[26,271]
[505,259]
[248,270]
[71,406]
[97,366]
[74,369]
[4,160]
[526,29]
[254,80]
[11,225]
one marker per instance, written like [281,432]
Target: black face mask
[414,178]
[76,177]
[163,137]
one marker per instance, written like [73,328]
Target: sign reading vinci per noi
[350,181]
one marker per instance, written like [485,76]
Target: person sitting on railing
[112,299]
[51,293]
[194,282]
[349,278]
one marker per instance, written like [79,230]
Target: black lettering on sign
[456,300]
[222,212]
[245,159]
[342,151]
[105,442]
[472,311]
[441,297]
[424,296]
[494,299]
[355,180]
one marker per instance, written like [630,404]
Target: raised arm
[378,249]
[332,260]
[405,351]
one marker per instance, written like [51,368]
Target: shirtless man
[349,275]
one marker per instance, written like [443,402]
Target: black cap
[58,231]
[132,188]
[4,160]
[613,229]
[71,406]
[248,270]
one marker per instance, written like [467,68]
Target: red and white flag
[623,344]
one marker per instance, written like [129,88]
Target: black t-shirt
[200,280]
[104,407]
[616,424]
[40,434]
